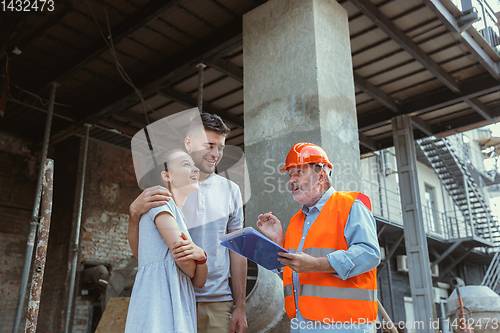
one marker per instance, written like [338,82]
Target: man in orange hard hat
[329,276]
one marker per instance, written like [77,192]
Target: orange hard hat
[305,153]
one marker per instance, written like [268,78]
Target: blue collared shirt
[362,255]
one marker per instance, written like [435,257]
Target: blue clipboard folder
[254,246]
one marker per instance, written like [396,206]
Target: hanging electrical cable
[119,67]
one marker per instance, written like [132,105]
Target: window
[430,212]
[410,317]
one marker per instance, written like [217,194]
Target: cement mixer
[479,313]
[265,305]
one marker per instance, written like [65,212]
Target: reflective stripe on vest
[288,290]
[318,252]
[336,292]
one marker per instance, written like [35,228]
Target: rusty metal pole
[200,67]
[41,248]
[76,246]
[34,218]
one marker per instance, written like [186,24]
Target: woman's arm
[149,198]
[171,233]
[187,250]
[200,275]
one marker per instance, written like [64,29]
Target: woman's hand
[187,250]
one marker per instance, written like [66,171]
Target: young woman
[163,298]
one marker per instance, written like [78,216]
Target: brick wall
[17,187]
[81,313]
[399,288]
[110,187]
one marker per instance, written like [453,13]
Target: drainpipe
[35,216]
[447,230]
[76,246]
[381,168]
[389,277]
[382,154]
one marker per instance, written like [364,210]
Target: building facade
[456,179]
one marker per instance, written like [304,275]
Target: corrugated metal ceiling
[158,44]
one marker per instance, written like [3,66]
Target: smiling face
[182,175]
[206,148]
[304,185]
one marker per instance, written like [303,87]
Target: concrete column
[298,87]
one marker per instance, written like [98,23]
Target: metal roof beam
[59,113]
[226,38]
[116,125]
[427,102]
[452,265]
[482,109]
[224,66]
[367,142]
[465,38]
[468,122]
[376,93]
[134,117]
[465,123]
[420,124]
[374,14]
[228,68]
[121,31]
[446,253]
[190,101]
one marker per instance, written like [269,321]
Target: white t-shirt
[210,212]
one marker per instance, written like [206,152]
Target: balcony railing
[447,225]
[487,23]
[460,143]
[386,204]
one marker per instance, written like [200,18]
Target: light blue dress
[163,298]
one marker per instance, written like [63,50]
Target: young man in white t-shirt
[215,209]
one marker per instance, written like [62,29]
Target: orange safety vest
[323,296]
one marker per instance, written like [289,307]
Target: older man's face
[303,184]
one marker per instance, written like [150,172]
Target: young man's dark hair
[211,122]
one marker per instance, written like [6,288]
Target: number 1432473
[27,5]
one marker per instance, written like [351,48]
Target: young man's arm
[149,198]
[238,268]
